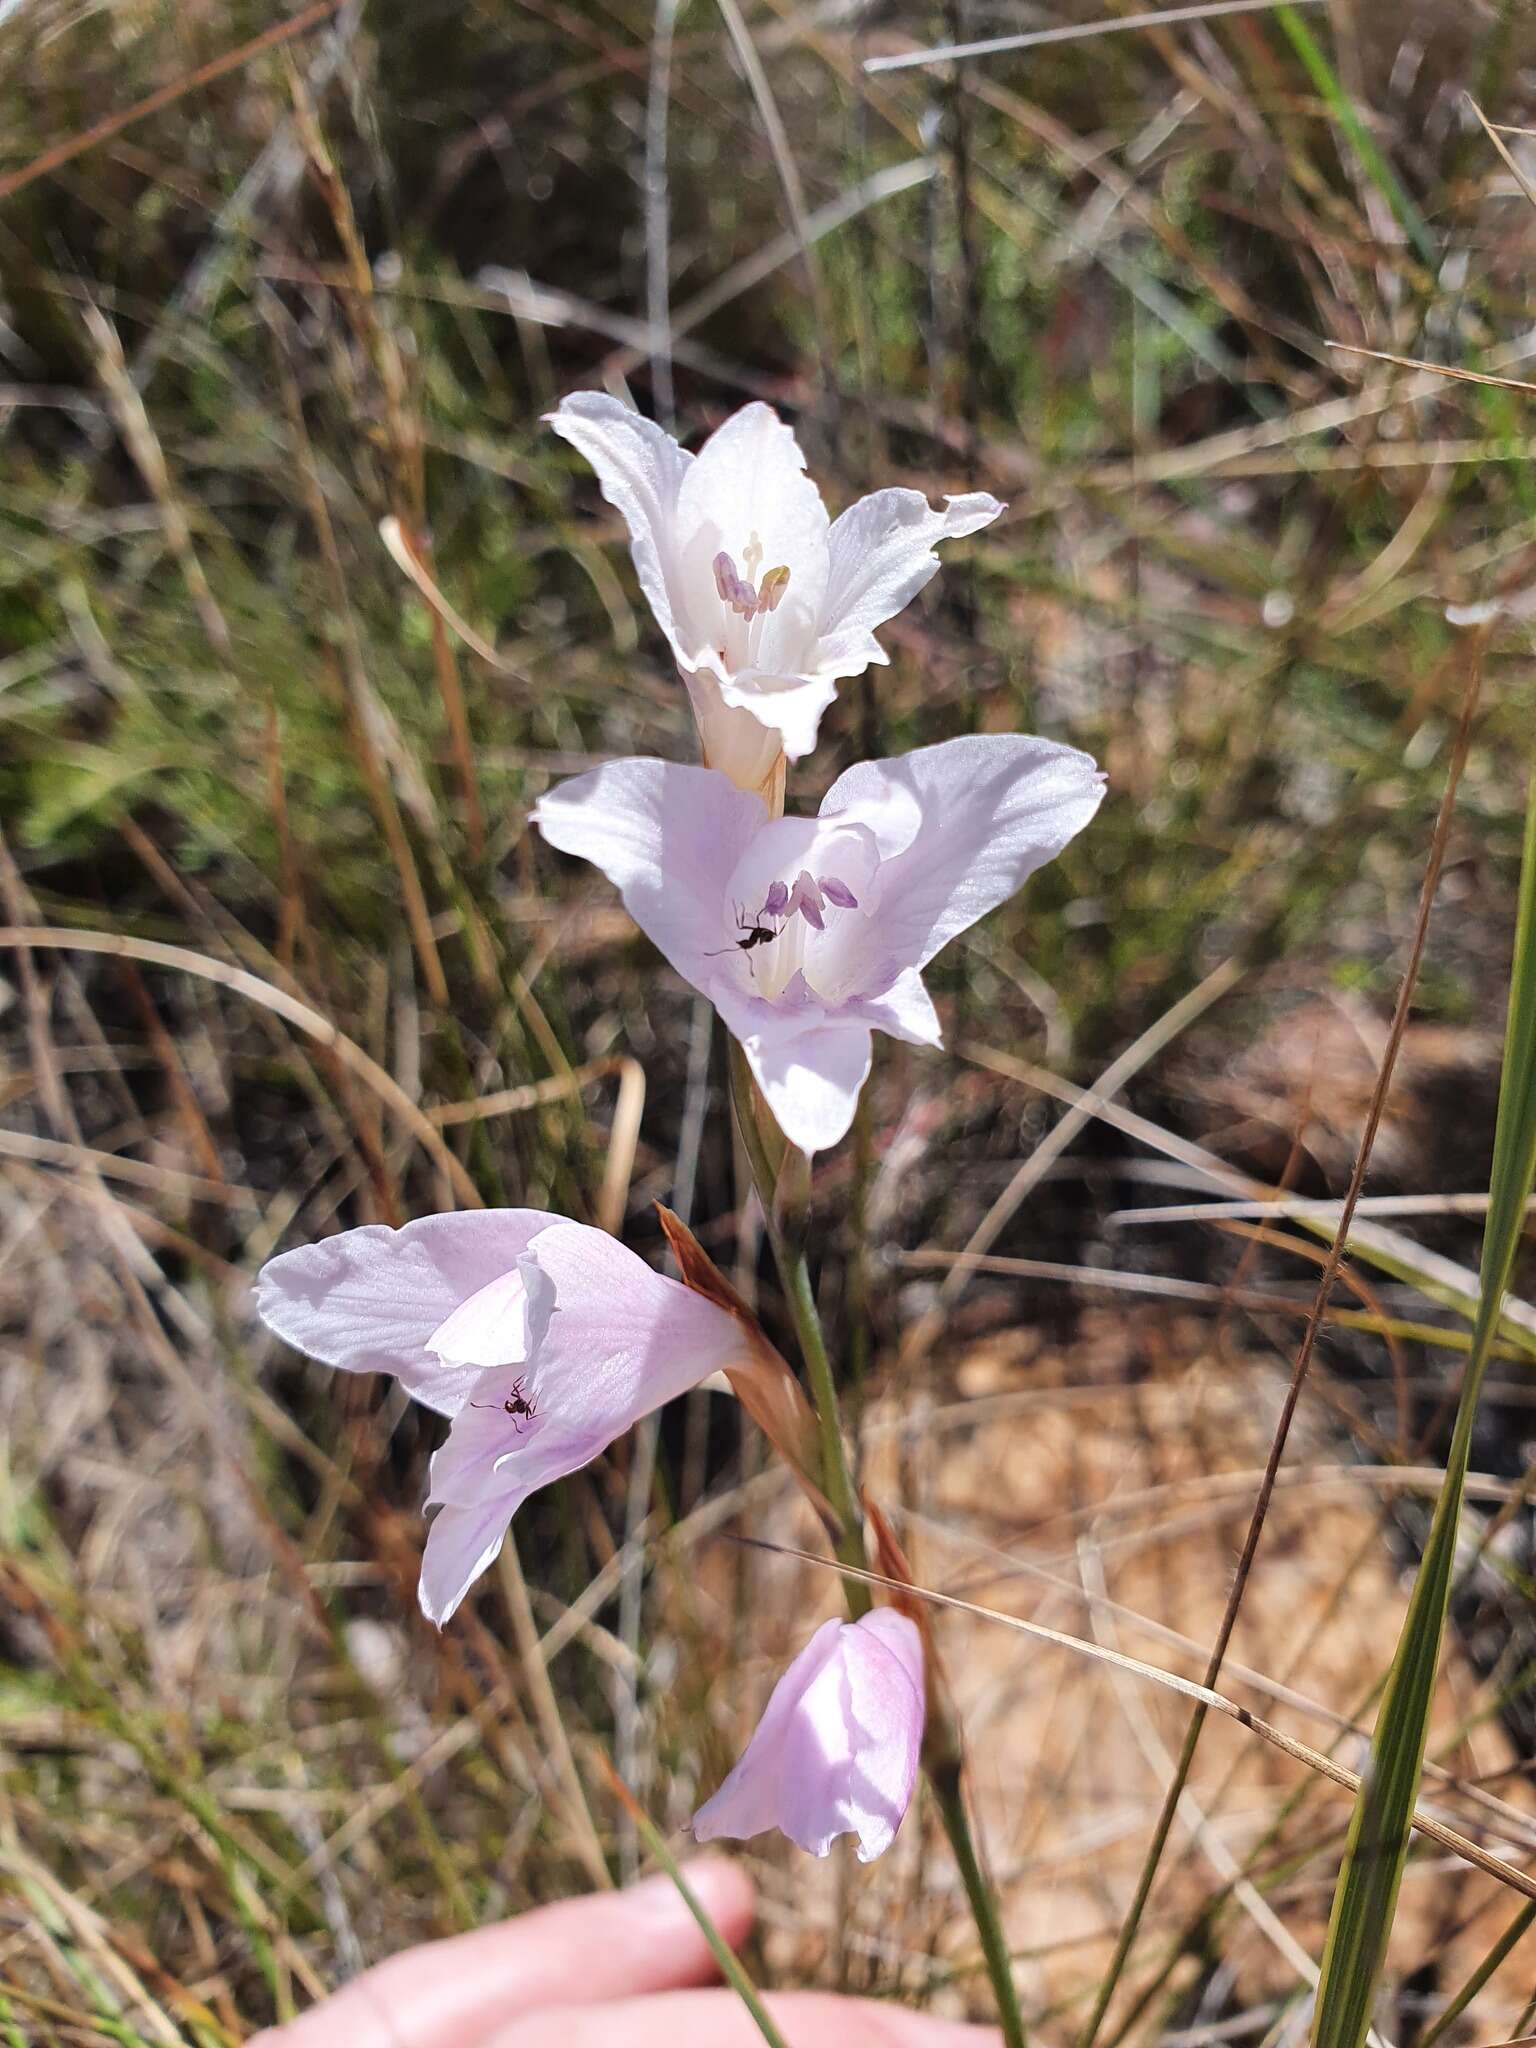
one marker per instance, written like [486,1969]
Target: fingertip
[725,1890]
[722,1890]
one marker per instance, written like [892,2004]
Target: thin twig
[1158,1036]
[536,1676]
[1381,355]
[1075,31]
[731,1967]
[658,214]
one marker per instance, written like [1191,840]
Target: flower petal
[748,483]
[810,1067]
[735,741]
[499,1324]
[640,470]
[836,1750]
[666,836]
[751,1798]
[790,706]
[784,848]
[905,1010]
[881,555]
[886,1705]
[995,806]
[622,1341]
[461,1544]
[888,810]
[368,1300]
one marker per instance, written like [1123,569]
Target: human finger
[718,2019]
[456,1993]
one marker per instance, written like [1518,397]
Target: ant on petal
[756,935]
[517,1405]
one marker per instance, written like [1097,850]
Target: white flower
[766,601]
[542,1340]
[808,933]
[837,1749]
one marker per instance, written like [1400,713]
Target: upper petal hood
[368,1300]
[748,489]
[836,1751]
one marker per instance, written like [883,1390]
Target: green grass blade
[1344,111]
[1510,1939]
[731,1966]
[1377,1845]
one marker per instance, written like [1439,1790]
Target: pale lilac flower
[766,601]
[543,1340]
[807,933]
[837,1748]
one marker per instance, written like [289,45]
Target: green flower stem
[783,1192]
[787,1234]
[837,1480]
[947,1780]
[860,1335]
[744,1102]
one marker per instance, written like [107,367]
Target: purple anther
[776,902]
[806,898]
[740,596]
[838,892]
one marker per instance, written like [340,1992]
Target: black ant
[517,1405]
[756,935]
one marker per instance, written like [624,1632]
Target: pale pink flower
[766,601]
[836,1751]
[541,1339]
[808,933]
